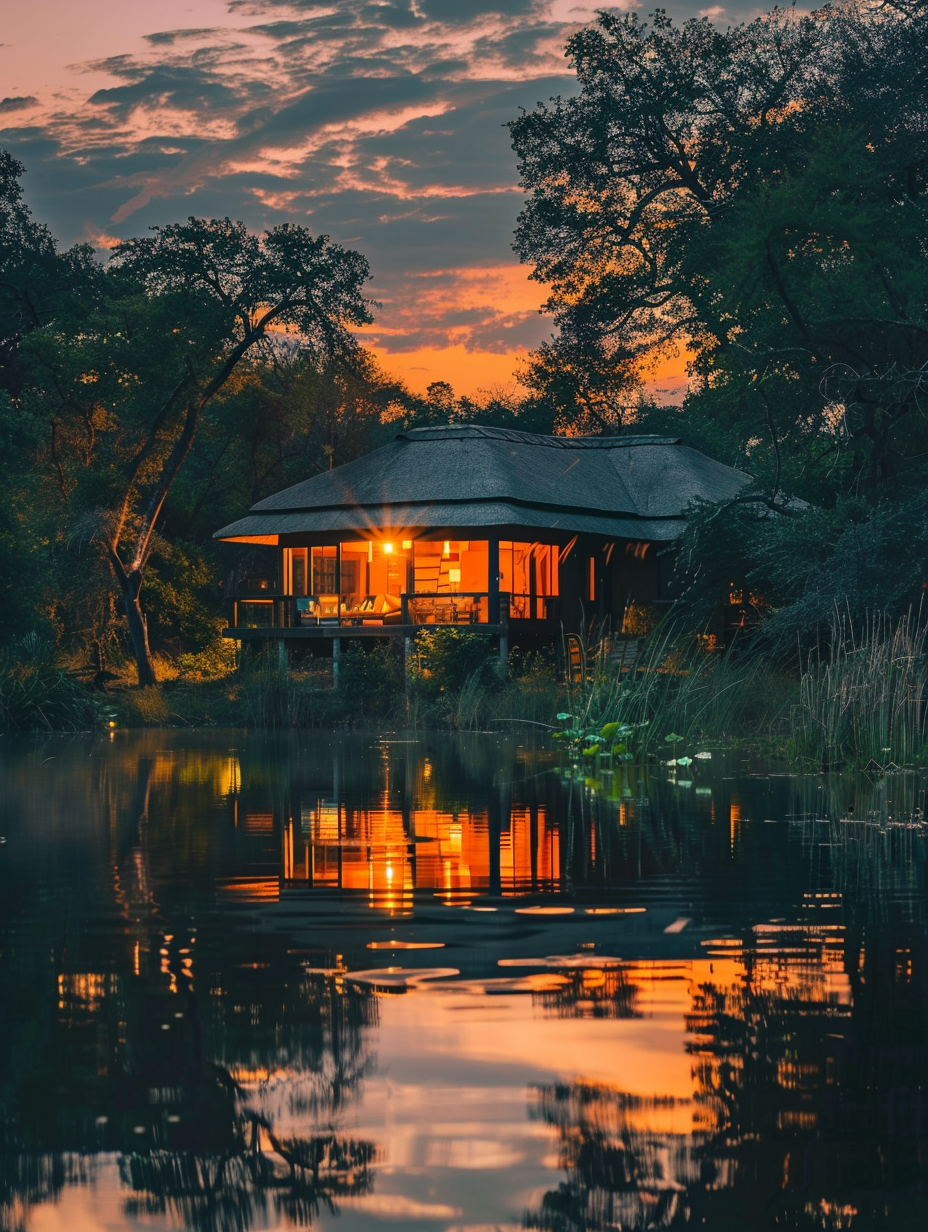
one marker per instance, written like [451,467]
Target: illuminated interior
[528,573]
[447,581]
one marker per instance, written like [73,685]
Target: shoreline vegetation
[855,699]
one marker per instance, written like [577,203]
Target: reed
[678,691]
[863,692]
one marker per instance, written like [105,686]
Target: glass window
[450,566]
[528,572]
[324,571]
[296,572]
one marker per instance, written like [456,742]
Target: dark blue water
[435,983]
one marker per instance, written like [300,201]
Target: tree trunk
[131,585]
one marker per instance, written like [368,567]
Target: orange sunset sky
[378,122]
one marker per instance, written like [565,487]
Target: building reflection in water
[404,836]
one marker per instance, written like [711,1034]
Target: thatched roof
[468,476]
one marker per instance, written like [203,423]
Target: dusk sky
[380,124]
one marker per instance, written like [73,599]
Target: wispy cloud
[380,123]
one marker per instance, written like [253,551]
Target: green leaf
[563,715]
[672,737]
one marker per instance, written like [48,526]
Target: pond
[432,982]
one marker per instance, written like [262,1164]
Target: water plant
[583,741]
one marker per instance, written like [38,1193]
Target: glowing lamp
[388,548]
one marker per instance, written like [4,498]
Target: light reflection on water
[343,981]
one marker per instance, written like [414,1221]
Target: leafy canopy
[757,197]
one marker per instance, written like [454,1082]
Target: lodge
[515,535]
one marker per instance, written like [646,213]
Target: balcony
[315,616]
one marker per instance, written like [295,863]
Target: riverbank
[857,698]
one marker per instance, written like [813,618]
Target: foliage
[37,695]
[757,197]
[452,674]
[794,571]
[370,682]
[37,280]
[583,739]
[369,690]
[676,693]
[216,661]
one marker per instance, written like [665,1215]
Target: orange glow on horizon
[472,373]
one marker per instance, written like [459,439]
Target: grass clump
[675,687]
[36,694]
[863,694]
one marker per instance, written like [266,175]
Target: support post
[336,660]
[504,655]
[283,657]
[493,581]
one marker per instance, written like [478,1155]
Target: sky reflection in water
[364,983]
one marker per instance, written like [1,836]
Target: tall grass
[36,694]
[676,688]
[862,694]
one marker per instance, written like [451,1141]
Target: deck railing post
[336,660]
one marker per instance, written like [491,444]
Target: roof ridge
[448,432]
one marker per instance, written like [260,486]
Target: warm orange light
[388,548]
[446,550]
[407,544]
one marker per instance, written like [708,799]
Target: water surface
[380,982]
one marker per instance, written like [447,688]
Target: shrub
[144,707]
[212,663]
[371,683]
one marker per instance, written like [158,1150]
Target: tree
[123,386]
[35,278]
[755,195]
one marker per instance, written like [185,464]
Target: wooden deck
[322,632]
